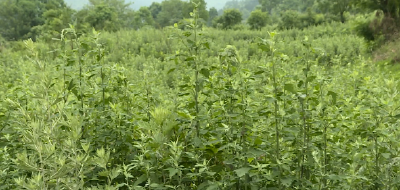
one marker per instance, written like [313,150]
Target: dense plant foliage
[198,108]
[229,19]
[257,19]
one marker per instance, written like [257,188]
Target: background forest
[261,94]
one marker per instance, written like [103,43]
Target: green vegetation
[257,19]
[229,19]
[112,98]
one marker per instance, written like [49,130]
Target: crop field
[193,108]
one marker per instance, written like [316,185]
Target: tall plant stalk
[269,46]
[304,103]
[196,72]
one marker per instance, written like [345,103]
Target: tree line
[46,18]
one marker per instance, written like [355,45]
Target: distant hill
[78,4]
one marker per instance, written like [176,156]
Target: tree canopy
[230,18]
[257,19]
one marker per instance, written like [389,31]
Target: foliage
[57,17]
[276,6]
[18,17]
[171,12]
[198,108]
[388,53]
[390,8]
[376,28]
[337,7]
[381,26]
[104,14]
[201,7]
[294,19]
[230,18]
[257,19]
[155,8]
[244,6]
[143,17]
[212,14]
[268,5]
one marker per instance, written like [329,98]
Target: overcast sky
[76,4]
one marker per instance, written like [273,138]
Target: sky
[77,4]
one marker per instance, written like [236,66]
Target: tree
[336,7]
[268,5]
[212,13]
[257,19]
[230,18]
[155,9]
[105,14]
[390,8]
[290,19]
[18,17]
[103,17]
[23,19]
[202,11]
[171,12]
[143,17]
[56,17]
[383,24]
[244,6]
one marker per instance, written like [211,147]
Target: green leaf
[287,182]
[187,33]
[191,42]
[270,99]
[71,84]
[242,171]
[333,95]
[290,88]
[386,155]
[140,180]
[171,70]
[258,141]
[114,173]
[185,115]
[206,45]
[205,72]
[213,187]
[57,101]
[103,173]
[311,78]
[172,172]
[259,72]
[203,185]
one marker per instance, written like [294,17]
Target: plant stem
[197,88]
